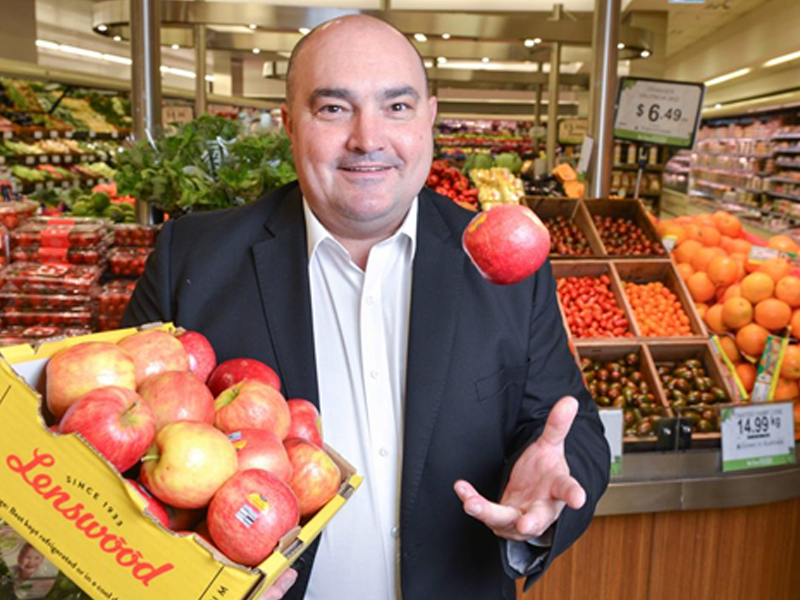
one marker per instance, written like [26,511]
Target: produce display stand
[679,525]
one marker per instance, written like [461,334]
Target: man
[433,382]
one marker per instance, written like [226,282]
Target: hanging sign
[665,113]
[757,435]
[572,131]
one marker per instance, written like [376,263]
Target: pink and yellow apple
[202,358]
[315,477]
[153,352]
[252,404]
[305,423]
[177,396]
[261,449]
[236,369]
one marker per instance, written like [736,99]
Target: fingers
[568,490]
[559,421]
[282,585]
[496,517]
[540,515]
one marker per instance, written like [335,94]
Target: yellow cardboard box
[70,504]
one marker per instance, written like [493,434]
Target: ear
[433,107]
[287,120]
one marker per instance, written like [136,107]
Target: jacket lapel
[282,269]
[439,263]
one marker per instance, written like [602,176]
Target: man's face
[29,560]
[360,122]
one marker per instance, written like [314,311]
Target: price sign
[177,114]
[572,131]
[612,422]
[757,435]
[658,112]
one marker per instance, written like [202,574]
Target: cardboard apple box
[73,506]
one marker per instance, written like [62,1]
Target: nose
[366,134]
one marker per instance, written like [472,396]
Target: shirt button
[374,374]
[395,532]
[383,452]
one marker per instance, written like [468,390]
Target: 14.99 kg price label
[757,435]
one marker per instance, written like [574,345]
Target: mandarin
[686,251]
[723,271]
[709,236]
[790,368]
[713,319]
[773,314]
[685,270]
[733,291]
[777,268]
[751,339]
[704,256]
[737,312]
[788,290]
[786,390]
[783,243]
[700,287]
[747,375]
[729,347]
[727,224]
[757,287]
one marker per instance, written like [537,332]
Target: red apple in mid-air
[306,423]
[202,358]
[74,371]
[236,369]
[261,449]
[250,514]
[154,352]
[252,404]
[116,421]
[177,396]
[507,243]
[153,506]
[315,477]
[187,464]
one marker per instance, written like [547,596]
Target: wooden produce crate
[594,268]
[632,210]
[575,211]
[664,352]
[663,270]
[647,367]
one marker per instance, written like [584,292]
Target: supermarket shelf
[735,139]
[787,150]
[787,165]
[634,167]
[784,196]
[786,136]
[785,180]
[726,171]
[718,202]
[56,134]
[733,155]
[678,171]
[29,188]
[55,159]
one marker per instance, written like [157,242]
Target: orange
[757,287]
[790,369]
[786,390]
[727,224]
[685,270]
[737,312]
[700,287]
[729,347]
[747,375]
[773,314]
[713,319]
[783,243]
[777,268]
[702,309]
[722,271]
[741,261]
[751,339]
[709,236]
[795,322]
[692,232]
[733,291]
[788,290]
[739,246]
[704,256]
[704,220]
[672,229]
[686,251]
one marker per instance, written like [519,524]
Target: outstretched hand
[539,486]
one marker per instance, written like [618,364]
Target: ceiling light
[529,43]
[176,46]
[48,45]
[122,60]
[179,72]
[485,59]
[782,59]
[210,78]
[117,38]
[441,60]
[645,53]
[718,105]
[621,46]
[80,51]
[445,36]
[252,26]
[727,77]
[537,40]
[304,30]
[102,27]
[256,51]
[420,37]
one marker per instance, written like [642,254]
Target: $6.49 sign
[757,435]
[654,113]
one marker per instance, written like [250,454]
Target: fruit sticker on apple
[507,243]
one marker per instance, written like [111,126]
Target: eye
[331,109]
[400,107]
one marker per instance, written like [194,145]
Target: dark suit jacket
[485,365]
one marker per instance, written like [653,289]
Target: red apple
[154,352]
[305,423]
[261,449]
[177,396]
[250,514]
[115,421]
[235,370]
[153,506]
[315,477]
[187,464]
[74,371]
[202,358]
[507,243]
[252,404]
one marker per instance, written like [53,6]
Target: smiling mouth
[376,169]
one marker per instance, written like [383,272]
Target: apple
[74,371]
[202,358]
[177,396]
[187,464]
[236,369]
[153,506]
[252,404]
[115,421]
[154,351]
[202,531]
[507,243]
[261,449]
[249,515]
[183,519]
[315,477]
[306,423]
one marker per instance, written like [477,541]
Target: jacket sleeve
[152,298]
[552,374]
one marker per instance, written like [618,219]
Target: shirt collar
[316,232]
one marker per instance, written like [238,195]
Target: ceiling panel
[689,23]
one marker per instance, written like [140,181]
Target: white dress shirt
[361,321]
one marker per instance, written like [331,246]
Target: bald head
[343,29]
